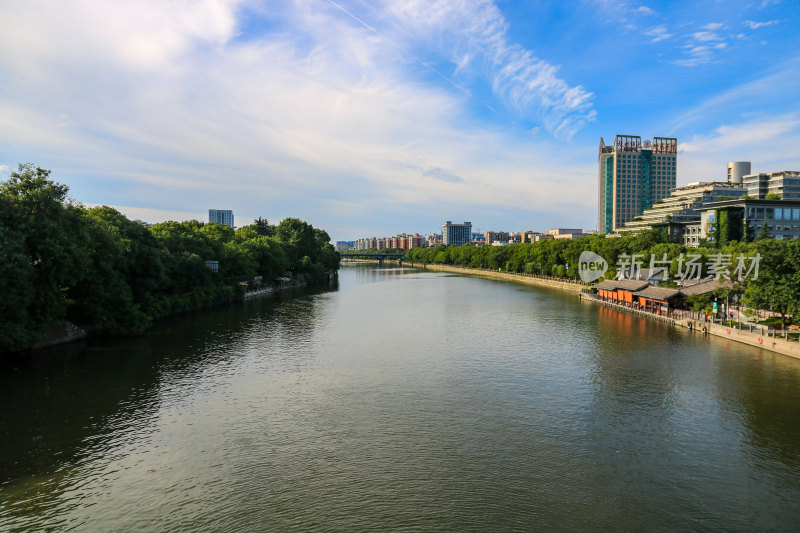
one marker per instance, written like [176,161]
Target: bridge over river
[380,257]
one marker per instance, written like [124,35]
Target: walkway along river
[402,400]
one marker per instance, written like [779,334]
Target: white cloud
[182,114]
[644,10]
[705,36]
[755,25]
[658,33]
[767,140]
[702,45]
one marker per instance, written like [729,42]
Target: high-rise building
[632,176]
[456,234]
[221,216]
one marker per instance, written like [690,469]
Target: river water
[402,400]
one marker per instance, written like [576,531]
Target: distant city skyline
[373,118]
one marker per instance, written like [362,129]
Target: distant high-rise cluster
[403,241]
[221,216]
[632,176]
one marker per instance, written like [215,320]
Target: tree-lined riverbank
[774,285]
[92,267]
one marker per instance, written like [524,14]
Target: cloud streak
[473,31]
[755,25]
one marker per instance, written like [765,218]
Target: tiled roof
[624,284]
[658,293]
[632,284]
[704,287]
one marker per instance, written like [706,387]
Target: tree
[299,238]
[778,284]
[17,328]
[262,227]
[764,232]
[45,228]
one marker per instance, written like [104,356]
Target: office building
[632,176]
[681,210]
[456,234]
[786,184]
[745,219]
[496,236]
[221,216]
[566,233]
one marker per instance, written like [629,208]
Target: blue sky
[370,118]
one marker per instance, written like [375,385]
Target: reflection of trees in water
[61,404]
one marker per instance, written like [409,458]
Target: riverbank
[759,338]
[528,279]
[66,332]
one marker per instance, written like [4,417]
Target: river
[402,400]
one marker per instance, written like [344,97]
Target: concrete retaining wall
[755,338]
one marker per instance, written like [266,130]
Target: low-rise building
[565,233]
[785,183]
[681,207]
[745,219]
[496,236]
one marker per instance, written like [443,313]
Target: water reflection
[407,400]
[76,404]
